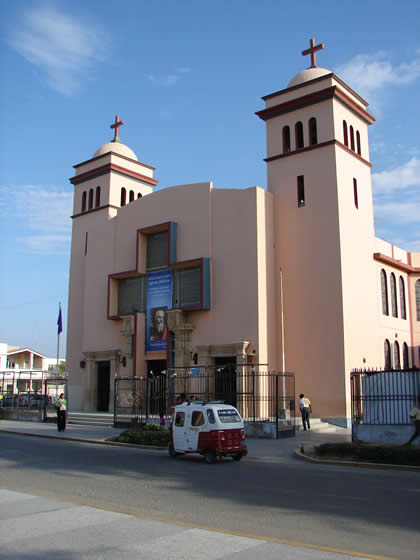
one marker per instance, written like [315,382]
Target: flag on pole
[60,321]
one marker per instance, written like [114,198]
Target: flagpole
[59,329]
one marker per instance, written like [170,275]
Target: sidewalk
[258,449]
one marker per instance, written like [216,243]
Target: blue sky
[186,76]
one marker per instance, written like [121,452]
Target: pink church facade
[292,276]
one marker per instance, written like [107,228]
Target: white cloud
[62,46]
[168,79]
[402,177]
[368,72]
[41,216]
[399,212]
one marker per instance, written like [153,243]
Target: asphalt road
[371,512]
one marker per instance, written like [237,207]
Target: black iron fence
[384,397]
[260,396]
[30,392]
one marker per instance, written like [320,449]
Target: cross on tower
[116,125]
[312,51]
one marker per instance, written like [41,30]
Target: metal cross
[312,51]
[116,125]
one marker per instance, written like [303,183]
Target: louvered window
[157,251]
[187,287]
[387,352]
[131,295]
[394,296]
[397,364]
[384,290]
[406,361]
[402,299]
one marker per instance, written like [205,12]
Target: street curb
[383,466]
[80,440]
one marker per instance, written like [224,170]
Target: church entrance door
[103,386]
[225,379]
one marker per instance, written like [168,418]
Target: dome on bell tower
[117,147]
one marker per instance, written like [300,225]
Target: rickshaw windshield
[228,416]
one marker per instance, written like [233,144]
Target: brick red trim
[114,154]
[187,264]
[112,167]
[319,79]
[316,147]
[155,229]
[311,99]
[396,264]
[94,210]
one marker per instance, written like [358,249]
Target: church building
[291,276]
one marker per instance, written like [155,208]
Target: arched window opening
[345,134]
[418,299]
[406,359]
[397,363]
[131,196]
[84,201]
[356,198]
[98,197]
[299,135]
[384,290]
[387,354]
[286,139]
[359,148]
[393,285]
[351,138]
[90,205]
[313,135]
[139,195]
[123,196]
[402,299]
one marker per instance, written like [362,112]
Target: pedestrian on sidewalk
[415,418]
[305,410]
[61,405]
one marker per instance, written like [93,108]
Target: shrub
[371,453]
[150,434]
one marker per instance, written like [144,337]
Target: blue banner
[159,300]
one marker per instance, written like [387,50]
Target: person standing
[61,405]
[305,410]
[415,418]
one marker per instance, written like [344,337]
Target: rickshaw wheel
[210,457]
[172,452]
[237,457]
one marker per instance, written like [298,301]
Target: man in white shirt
[305,410]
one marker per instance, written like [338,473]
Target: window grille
[187,287]
[157,251]
[131,295]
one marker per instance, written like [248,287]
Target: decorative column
[182,330]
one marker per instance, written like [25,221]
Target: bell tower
[318,168]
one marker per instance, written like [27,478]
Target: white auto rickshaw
[211,428]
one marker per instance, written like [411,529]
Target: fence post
[115,399]
[277,406]
[253,393]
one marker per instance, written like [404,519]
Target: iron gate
[260,396]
